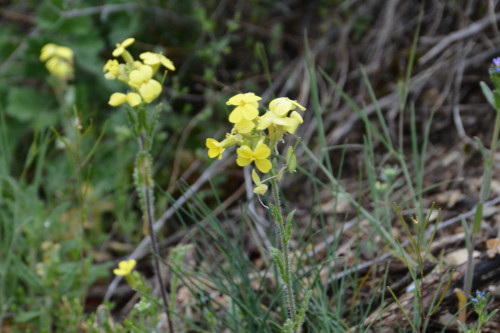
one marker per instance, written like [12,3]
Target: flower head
[125,267]
[259,156]
[246,107]
[111,69]
[496,62]
[282,105]
[120,47]
[59,68]
[58,60]
[132,98]
[141,79]
[215,148]
[260,188]
[155,59]
[244,126]
[52,50]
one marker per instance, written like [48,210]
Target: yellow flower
[125,267]
[141,79]
[132,98]
[244,126]
[246,107]
[289,124]
[215,148]
[272,118]
[259,156]
[232,139]
[282,105]
[58,60]
[155,59]
[111,68]
[120,47]
[60,68]
[295,119]
[47,51]
[52,50]
[260,188]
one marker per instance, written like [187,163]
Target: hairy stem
[284,247]
[148,198]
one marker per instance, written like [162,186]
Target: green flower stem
[483,195]
[284,245]
[485,189]
[148,199]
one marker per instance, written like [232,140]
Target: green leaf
[79,25]
[288,227]
[49,14]
[302,312]
[496,95]
[487,93]
[291,160]
[288,326]
[278,259]
[27,316]
[481,148]
[27,104]
[478,217]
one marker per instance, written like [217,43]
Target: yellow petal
[235,116]
[133,99]
[244,126]
[211,143]
[245,156]
[167,63]
[262,152]
[261,189]
[125,267]
[47,51]
[245,152]
[298,105]
[263,165]
[280,106]
[249,112]
[64,52]
[245,98]
[150,90]
[117,99]
[255,178]
[127,42]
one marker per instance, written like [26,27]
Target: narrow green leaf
[288,227]
[278,259]
[487,93]
[496,95]
[291,159]
[302,312]
[288,326]
[478,217]
[402,309]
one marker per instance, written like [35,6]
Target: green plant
[144,89]
[258,136]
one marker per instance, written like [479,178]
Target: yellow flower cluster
[257,135]
[125,267]
[58,60]
[137,74]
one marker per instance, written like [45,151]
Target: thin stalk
[483,195]
[284,247]
[154,241]
[156,252]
